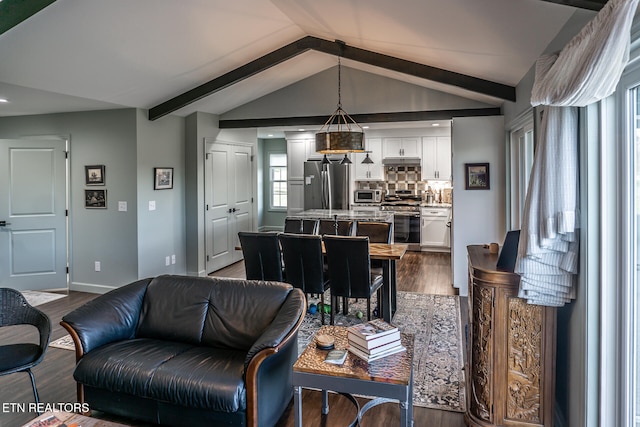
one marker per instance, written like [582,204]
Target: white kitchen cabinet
[295,196]
[371,171]
[401,147]
[435,231]
[296,156]
[436,157]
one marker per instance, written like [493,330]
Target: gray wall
[161,232]
[362,92]
[129,244]
[478,215]
[271,219]
[98,137]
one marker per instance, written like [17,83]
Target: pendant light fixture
[346,160]
[367,160]
[340,134]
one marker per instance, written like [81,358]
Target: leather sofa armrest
[271,359]
[287,319]
[110,317]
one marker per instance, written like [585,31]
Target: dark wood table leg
[385,306]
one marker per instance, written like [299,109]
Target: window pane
[278,178]
[278,160]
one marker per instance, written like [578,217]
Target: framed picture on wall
[95,199]
[94,175]
[476,176]
[163,178]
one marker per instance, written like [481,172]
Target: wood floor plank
[417,272]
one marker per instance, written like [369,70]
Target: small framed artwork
[94,175]
[476,176]
[95,199]
[162,178]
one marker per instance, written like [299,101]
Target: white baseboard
[91,288]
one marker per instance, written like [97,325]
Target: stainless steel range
[406,219]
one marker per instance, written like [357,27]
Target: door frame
[67,196]
[254,186]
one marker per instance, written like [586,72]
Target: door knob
[230,210]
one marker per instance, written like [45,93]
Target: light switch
[152,205]
[122,206]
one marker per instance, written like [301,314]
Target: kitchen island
[352,214]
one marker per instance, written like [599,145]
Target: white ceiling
[93,54]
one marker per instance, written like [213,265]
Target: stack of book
[374,340]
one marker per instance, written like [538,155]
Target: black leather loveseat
[177,350]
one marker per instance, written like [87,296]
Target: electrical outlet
[173,259]
[167,260]
[97,266]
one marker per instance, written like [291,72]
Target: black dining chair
[22,356]
[378,232]
[304,265]
[328,226]
[262,255]
[350,270]
[300,226]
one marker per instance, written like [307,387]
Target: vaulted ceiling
[162,55]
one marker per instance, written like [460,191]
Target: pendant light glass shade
[340,134]
[367,160]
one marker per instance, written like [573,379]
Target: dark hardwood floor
[417,272]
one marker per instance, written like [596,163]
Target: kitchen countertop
[435,205]
[355,214]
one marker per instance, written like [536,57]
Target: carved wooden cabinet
[511,350]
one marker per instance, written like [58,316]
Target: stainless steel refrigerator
[326,186]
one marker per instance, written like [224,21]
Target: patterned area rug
[65,343]
[438,359]
[35,298]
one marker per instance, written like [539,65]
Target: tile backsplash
[403,178]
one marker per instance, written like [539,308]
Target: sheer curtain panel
[585,71]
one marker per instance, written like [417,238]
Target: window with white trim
[521,147]
[278,181]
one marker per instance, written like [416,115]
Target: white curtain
[586,70]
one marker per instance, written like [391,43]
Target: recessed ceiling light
[365,127]
[3,99]
[270,134]
[301,130]
[435,124]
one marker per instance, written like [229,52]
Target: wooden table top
[395,368]
[384,251]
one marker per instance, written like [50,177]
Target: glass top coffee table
[389,379]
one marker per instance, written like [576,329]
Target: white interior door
[33,222]
[228,200]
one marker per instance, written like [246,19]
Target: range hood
[401,161]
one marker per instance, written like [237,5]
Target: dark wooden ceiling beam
[415,69]
[405,116]
[581,4]
[13,12]
[254,67]
[337,48]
